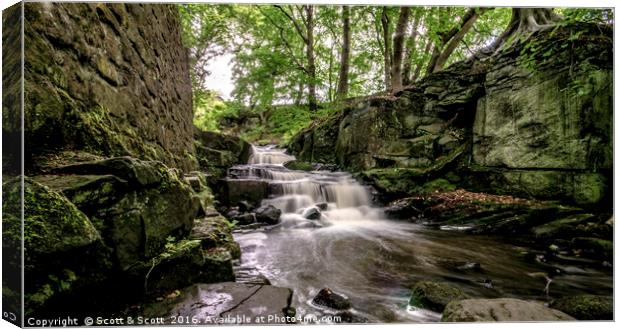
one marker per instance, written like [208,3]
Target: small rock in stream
[326,297]
[312,213]
[244,206]
[245,219]
[268,214]
[322,206]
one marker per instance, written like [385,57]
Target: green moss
[434,295]
[299,165]
[586,307]
[439,185]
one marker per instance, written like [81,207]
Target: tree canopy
[312,55]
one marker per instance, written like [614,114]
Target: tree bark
[411,48]
[438,50]
[456,39]
[523,23]
[343,77]
[418,67]
[387,47]
[397,57]
[312,102]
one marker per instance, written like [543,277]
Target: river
[356,251]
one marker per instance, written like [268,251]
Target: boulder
[226,303]
[181,264]
[268,214]
[244,206]
[216,153]
[326,297]
[586,307]
[321,206]
[135,205]
[232,191]
[63,252]
[245,218]
[215,232]
[500,309]
[434,295]
[312,213]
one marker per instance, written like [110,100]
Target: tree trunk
[457,38]
[387,47]
[418,67]
[343,77]
[312,103]
[438,50]
[399,42]
[523,23]
[411,48]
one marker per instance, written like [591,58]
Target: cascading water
[352,249]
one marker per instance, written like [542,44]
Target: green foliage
[269,65]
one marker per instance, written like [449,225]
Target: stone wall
[109,79]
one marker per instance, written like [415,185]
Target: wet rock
[321,206]
[500,309]
[233,213]
[312,213]
[268,214]
[326,297]
[232,191]
[402,209]
[299,165]
[594,247]
[586,307]
[434,295]
[245,219]
[244,206]
[470,266]
[228,301]
[349,317]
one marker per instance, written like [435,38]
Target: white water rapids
[355,251]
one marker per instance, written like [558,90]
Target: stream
[356,251]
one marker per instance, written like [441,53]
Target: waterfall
[296,192]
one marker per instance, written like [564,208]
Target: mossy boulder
[134,204]
[500,309]
[594,247]
[215,231]
[217,152]
[64,251]
[181,264]
[586,307]
[434,295]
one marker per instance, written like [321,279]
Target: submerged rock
[586,307]
[229,303]
[500,309]
[434,295]
[312,213]
[326,297]
[268,214]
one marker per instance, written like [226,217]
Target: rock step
[226,303]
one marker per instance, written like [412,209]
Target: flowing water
[356,251]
